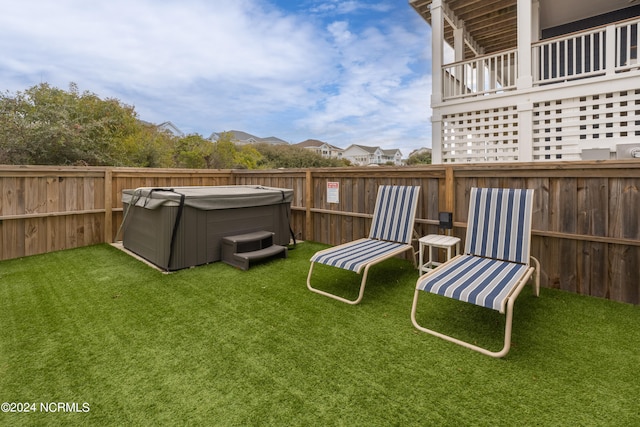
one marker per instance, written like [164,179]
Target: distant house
[171,128]
[357,154]
[364,155]
[166,127]
[244,138]
[238,137]
[321,148]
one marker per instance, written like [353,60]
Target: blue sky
[341,71]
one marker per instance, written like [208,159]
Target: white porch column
[458,42]
[535,21]
[436,139]
[525,25]
[437,48]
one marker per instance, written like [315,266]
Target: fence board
[624,277]
[592,198]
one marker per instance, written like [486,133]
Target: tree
[227,155]
[224,153]
[291,156]
[50,126]
[193,151]
[421,157]
[247,157]
[146,147]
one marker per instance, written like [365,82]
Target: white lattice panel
[563,128]
[480,136]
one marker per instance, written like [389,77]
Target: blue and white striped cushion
[499,224]
[394,213]
[356,255]
[480,281]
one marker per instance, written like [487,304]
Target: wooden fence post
[449,189]
[108,205]
[308,205]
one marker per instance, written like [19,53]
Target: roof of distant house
[170,127]
[166,126]
[372,150]
[316,143]
[241,137]
[366,148]
[273,140]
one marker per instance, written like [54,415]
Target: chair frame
[510,301]
[507,303]
[373,260]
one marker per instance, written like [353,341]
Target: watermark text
[52,407]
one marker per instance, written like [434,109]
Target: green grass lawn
[214,345]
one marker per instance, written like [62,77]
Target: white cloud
[380,98]
[158,43]
[343,7]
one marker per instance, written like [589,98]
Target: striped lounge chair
[390,234]
[495,265]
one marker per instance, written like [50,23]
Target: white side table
[436,241]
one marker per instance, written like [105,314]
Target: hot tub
[181,227]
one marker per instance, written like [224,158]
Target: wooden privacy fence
[586,223]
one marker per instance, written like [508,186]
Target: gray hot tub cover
[208,197]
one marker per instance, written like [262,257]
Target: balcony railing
[627,45]
[596,52]
[483,75]
[574,56]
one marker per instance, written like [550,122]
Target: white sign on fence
[333,192]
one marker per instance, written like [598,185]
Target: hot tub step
[242,249]
[245,258]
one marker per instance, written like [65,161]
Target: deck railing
[479,76]
[627,45]
[596,52]
[575,56]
